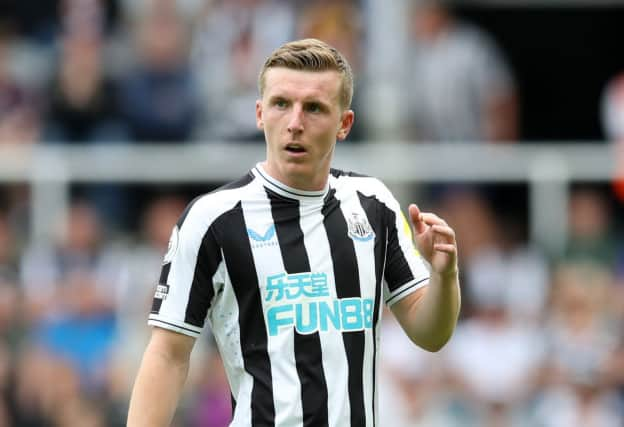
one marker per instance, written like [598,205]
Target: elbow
[434,347]
[435,343]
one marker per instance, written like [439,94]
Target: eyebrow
[306,101]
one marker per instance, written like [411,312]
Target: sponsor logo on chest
[262,239]
[304,301]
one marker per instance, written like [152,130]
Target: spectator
[582,343]
[10,298]
[591,237]
[19,112]
[143,264]
[83,106]
[158,98]
[70,294]
[458,86]
[493,363]
[338,23]
[411,383]
[232,41]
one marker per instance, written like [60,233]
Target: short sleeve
[405,270]
[190,271]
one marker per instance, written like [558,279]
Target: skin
[301,109]
[429,315]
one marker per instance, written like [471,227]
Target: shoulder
[474,38]
[363,184]
[204,209]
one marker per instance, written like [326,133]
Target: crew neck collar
[285,190]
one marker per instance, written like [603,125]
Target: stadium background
[114,114]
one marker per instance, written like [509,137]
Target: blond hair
[311,55]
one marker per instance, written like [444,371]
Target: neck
[302,182]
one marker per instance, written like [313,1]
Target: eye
[280,103]
[314,107]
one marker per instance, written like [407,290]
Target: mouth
[295,148]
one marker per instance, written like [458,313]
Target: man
[459,86]
[291,265]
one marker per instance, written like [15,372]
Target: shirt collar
[284,190]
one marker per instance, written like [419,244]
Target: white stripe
[365,256]
[335,364]
[242,415]
[181,327]
[223,319]
[281,348]
[373,186]
[183,262]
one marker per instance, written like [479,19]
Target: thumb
[416,218]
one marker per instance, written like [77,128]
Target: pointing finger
[417,219]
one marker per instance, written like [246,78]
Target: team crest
[359,228]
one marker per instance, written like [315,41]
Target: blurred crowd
[165,71]
[540,340]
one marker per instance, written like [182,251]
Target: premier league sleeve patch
[172,248]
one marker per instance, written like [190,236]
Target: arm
[160,379]
[501,117]
[430,314]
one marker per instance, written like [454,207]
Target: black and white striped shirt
[292,284]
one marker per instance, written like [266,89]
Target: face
[302,118]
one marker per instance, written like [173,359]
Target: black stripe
[231,231]
[398,271]
[308,353]
[177,326]
[375,213]
[164,274]
[202,290]
[346,275]
[241,182]
[337,173]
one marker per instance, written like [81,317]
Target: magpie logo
[359,228]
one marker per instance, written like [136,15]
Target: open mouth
[295,148]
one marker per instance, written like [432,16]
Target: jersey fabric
[292,284]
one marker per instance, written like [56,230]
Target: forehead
[322,85]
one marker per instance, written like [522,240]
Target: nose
[295,125]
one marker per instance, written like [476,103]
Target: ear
[346,122]
[259,121]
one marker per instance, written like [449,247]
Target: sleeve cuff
[180,327]
[405,290]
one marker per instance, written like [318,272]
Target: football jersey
[292,284]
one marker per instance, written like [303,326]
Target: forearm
[429,319]
[157,388]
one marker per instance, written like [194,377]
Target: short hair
[311,55]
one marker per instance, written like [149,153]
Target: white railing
[546,168]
